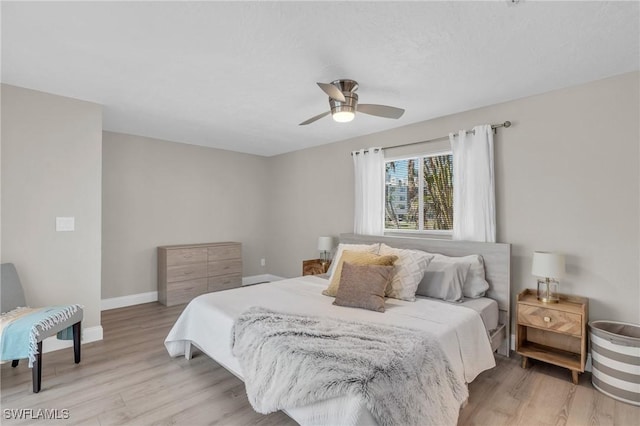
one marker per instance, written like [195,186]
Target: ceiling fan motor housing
[348,106]
[348,89]
[346,85]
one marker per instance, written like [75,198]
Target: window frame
[435,233]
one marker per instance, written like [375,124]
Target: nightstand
[315,267]
[553,332]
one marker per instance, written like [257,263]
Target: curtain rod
[442,138]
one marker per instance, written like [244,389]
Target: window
[419,193]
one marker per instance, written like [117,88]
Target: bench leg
[77,330]
[37,370]
[14,363]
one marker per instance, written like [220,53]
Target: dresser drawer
[224,282]
[184,291]
[225,267]
[186,272]
[233,252]
[186,256]
[550,319]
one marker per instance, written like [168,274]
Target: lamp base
[548,291]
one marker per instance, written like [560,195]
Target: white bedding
[487,308]
[207,320]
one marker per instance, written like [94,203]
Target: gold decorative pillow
[370,248]
[356,258]
[363,286]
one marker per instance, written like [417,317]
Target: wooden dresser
[189,270]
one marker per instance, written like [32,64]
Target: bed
[469,332]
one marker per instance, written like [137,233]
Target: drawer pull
[547,319]
[188,272]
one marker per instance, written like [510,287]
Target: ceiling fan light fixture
[343,102]
[344,112]
[343,116]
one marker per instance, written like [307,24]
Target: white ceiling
[241,76]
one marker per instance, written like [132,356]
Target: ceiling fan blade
[381,110]
[316,118]
[332,91]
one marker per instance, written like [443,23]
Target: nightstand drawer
[315,266]
[550,319]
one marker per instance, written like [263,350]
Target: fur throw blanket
[402,375]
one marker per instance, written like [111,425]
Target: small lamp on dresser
[325,245]
[549,267]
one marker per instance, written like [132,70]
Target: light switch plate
[65,224]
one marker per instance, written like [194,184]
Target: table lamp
[549,267]
[325,245]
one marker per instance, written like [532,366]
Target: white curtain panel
[369,191]
[474,205]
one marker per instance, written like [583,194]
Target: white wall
[567,176]
[157,193]
[51,166]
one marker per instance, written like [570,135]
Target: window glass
[438,192]
[419,193]
[401,194]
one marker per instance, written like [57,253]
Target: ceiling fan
[343,101]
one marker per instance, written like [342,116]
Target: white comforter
[207,320]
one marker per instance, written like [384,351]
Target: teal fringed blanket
[20,328]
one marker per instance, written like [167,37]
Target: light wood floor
[128,378]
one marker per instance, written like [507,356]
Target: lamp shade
[547,265]
[325,243]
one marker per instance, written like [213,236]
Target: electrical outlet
[263,262]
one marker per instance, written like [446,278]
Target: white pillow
[409,270]
[475,285]
[444,280]
[371,248]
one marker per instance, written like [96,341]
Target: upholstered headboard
[497,264]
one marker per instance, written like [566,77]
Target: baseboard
[132,299]
[264,278]
[89,334]
[587,364]
[152,296]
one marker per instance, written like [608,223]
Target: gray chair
[12,296]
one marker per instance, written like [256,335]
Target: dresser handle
[188,272]
[547,319]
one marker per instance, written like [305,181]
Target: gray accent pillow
[475,285]
[444,280]
[363,286]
